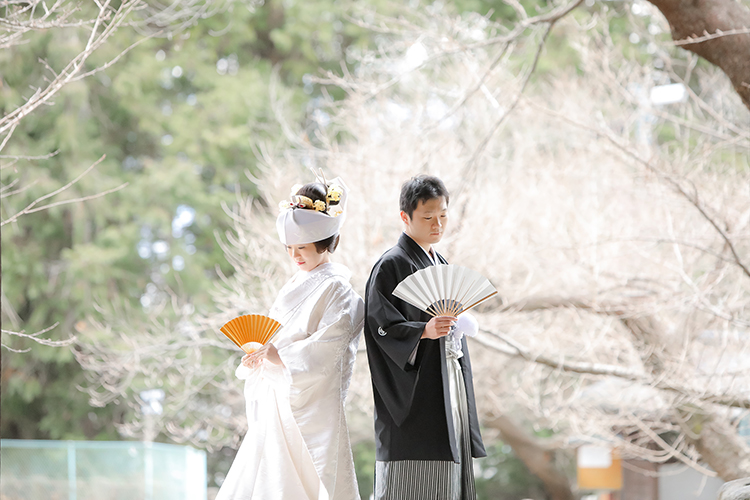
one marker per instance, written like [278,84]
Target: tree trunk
[731,53]
[720,446]
[536,456]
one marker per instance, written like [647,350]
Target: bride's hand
[268,352]
[246,361]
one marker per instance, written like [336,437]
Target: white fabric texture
[298,226]
[297,446]
[466,324]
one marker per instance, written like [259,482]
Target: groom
[426,425]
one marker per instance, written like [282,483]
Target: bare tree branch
[104,25]
[692,198]
[35,338]
[31,207]
[516,349]
[710,36]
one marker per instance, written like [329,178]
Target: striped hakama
[434,479]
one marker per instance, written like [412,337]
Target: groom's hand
[437,327]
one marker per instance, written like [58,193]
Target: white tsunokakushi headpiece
[303,221]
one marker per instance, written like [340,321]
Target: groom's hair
[421,188]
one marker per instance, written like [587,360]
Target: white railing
[88,470]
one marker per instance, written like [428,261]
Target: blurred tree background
[178,125]
[179,119]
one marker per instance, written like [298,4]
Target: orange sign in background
[599,468]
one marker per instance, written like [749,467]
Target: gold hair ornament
[334,193]
[297,201]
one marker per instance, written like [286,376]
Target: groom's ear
[405,218]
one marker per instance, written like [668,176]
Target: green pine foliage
[502,476]
[179,127]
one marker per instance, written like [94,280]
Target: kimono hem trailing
[297,445]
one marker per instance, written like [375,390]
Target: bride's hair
[316,191]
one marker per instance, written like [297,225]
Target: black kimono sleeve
[395,335]
[393,330]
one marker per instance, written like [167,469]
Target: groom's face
[428,221]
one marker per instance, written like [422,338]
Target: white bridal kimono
[297,444]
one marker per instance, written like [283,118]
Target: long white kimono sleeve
[318,353]
[313,361]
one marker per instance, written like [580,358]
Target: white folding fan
[445,290]
[251,331]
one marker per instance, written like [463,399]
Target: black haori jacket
[413,418]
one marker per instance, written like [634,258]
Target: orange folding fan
[251,331]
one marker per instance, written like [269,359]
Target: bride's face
[306,256]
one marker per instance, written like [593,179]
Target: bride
[297,444]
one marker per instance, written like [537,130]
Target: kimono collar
[302,285]
[417,253]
